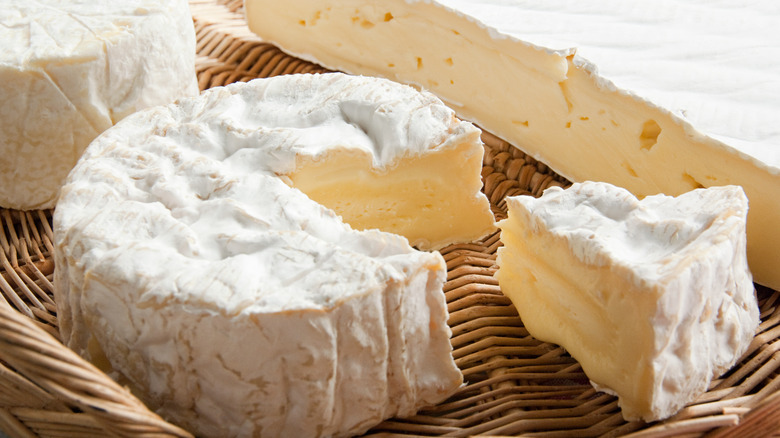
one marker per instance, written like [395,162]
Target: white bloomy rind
[69,70]
[233,303]
[654,298]
[653,96]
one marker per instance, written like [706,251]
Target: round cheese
[69,70]
[230,301]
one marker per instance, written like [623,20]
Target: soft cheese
[654,297]
[69,70]
[234,303]
[656,97]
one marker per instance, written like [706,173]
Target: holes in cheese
[649,136]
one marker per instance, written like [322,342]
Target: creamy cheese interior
[416,198]
[587,309]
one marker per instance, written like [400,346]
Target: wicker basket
[516,385]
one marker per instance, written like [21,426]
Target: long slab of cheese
[655,97]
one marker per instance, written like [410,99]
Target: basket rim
[32,357]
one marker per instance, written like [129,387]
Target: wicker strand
[11,424]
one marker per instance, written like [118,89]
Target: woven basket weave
[516,385]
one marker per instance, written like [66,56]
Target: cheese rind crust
[634,95]
[654,298]
[69,70]
[233,303]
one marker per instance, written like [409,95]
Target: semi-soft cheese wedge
[654,297]
[191,266]
[654,96]
[71,69]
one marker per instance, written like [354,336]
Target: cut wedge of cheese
[69,70]
[656,97]
[234,304]
[654,297]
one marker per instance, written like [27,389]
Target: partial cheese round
[70,70]
[233,303]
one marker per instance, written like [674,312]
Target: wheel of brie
[193,266]
[69,70]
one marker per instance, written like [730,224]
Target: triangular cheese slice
[654,297]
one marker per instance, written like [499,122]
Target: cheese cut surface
[654,298]
[419,197]
[233,303]
[69,70]
[654,97]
